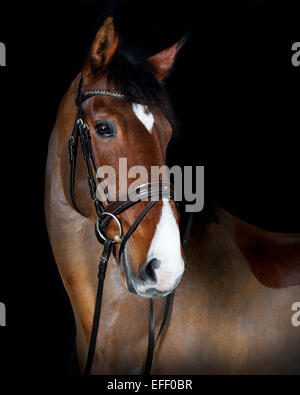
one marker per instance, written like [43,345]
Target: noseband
[156,190]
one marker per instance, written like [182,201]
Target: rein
[157,189]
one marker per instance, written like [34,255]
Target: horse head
[134,126]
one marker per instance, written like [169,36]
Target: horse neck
[71,235]
[214,260]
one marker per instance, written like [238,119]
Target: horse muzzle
[155,278]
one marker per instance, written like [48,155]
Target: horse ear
[104,46]
[162,62]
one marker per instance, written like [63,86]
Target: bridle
[155,190]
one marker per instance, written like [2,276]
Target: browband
[101,92]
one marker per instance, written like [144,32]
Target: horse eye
[104,129]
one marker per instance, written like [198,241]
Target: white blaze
[144,115]
[165,247]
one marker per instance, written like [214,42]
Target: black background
[235,94]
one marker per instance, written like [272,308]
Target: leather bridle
[154,191]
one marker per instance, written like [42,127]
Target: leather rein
[156,189]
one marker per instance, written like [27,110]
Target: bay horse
[235,284]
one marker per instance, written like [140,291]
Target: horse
[235,284]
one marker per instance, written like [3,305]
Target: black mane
[138,82]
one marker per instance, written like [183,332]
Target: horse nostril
[147,270]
